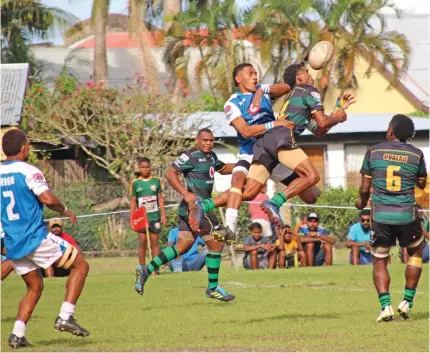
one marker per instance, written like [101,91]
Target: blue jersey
[239,105]
[21,210]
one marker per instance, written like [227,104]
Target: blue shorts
[365,258]
[188,265]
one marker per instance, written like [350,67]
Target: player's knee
[238,180]
[36,287]
[313,178]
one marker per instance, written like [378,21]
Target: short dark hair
[365,213]
[12,142]
[403,127]
[206,130]
[237,69]
[255,225]
[290,74]
[144,159]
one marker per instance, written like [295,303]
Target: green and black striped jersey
[395,168]
[304,101]
[199,171]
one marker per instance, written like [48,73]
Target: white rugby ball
[320,55]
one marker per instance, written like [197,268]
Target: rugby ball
[320,55]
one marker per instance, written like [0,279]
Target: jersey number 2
[9,208]
[394,182]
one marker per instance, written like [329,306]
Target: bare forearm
[52,202]
[228,169]
[278,90]
[248,248]
[161,204]
[173,180]
[309,240]
[328,239]
[364,195]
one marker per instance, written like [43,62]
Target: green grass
[310,309]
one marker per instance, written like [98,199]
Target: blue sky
[82,8]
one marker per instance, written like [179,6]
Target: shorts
[365,258]
[385,235]
[289,261]
[266,148]
[280,173]
[262,260]
[154,227]
[50,250]
[208,224]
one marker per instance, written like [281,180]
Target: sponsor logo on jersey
[211,172]
[254,109]
[317,96]
[39,178]
[182,159]
[242,101]
[153,188]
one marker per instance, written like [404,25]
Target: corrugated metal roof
[13,82]
[356,123]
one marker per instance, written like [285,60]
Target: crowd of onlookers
[310,244]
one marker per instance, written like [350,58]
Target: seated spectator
[258,215]
[300,223]
[317,242]
[258,250]
[358,240]
[192,260]
[55,226]
[292,252]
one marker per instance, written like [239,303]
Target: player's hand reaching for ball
[347,100]
[70,214]
[285,123]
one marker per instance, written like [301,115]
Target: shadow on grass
[206,303]
[65,341]
[11,319]
[420,316]
[288,316]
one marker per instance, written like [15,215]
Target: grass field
[309,309]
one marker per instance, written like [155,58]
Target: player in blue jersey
[28,242]
[250,112]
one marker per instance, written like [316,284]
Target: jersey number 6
[394,182]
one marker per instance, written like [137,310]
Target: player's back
[303,101]
[395,168]
[240,104]
[21,211]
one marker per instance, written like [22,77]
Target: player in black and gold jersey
[393,168]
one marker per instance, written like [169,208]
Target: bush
[336,220]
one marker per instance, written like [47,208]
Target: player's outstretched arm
[274,91]
[228,169]
[172,177]
[249,131]
[51,201]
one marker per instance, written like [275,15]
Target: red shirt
[69,239]
[255,208]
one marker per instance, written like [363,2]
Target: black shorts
[386,234]
[208,224]
[154,227]
[266,148]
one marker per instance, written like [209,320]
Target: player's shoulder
[234,99]
[19,167]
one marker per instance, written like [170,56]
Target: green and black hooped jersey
[304,101]
[395,168]
[199,171]
[146,192]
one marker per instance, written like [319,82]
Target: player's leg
[296,160]
[309,196]
[213,258]
[381,243]
[410,236]
[30,274]
[6,268]
[141,251]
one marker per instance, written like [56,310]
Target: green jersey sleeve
[184,163]
[133,189]
[219,165]
[365,168]
[312,100]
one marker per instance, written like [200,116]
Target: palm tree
[357,28]
[23,19]
[280,27]
[99,17]
[213,27]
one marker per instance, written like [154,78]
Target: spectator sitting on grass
[192,260]
[317,242]
[292,252]
[358,240]
[258,250]
[55,226]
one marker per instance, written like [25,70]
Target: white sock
[19,328]
[231,218]
[66,310]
